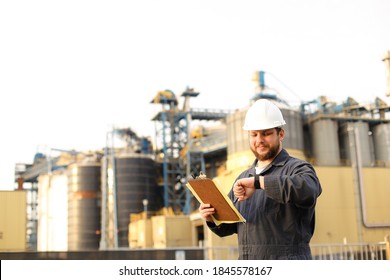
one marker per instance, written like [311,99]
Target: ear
[281,134]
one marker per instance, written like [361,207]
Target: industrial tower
[179,159]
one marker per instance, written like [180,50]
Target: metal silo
[348,145]
[83,206]
[237,138]
[135,180]
[325,142]
[381,134]
[293,138]
[53,211]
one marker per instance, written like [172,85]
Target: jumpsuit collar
[279,160]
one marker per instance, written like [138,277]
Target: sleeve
[223,229]
[298,184]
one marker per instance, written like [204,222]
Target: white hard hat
[263,114]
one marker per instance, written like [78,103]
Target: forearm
[300,189]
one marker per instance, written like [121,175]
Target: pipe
[386,60]
[103,227]
[357,162]
[114,191]
[165,162]
[187,205]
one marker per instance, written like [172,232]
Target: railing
[361,251]
[356,251]
[221,253]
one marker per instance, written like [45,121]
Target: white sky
[69,70]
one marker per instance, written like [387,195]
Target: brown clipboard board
[207,192]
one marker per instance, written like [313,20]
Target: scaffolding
[179,159]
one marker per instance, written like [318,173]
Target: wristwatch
[257,181]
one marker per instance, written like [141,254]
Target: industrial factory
[129,200]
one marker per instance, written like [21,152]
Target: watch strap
[257,182]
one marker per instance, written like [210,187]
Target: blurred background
[109,107]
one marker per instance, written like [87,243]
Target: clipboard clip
[201,175]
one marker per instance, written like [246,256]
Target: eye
[267,132]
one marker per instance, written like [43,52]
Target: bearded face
[268,152]
[266,144]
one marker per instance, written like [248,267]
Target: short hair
[278,129]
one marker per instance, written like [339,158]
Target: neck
[263,163]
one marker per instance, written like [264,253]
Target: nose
[259,139]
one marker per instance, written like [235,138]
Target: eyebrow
[261,131]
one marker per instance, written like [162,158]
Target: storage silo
[361,131]
[237,138]
[83,206]
[135,179]
[293,138]
[325,142]
[381,134]
[53,211]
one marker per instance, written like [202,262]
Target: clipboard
[206,191]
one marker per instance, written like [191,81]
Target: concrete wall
[338,213]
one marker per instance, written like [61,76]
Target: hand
[244,188]
[206,211]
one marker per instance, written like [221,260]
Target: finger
[204,206]
[208,211]
[239,192]
[206,214]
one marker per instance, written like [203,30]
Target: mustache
[261,145]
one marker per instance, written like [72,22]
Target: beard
[270,154]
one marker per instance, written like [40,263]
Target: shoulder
[299,165]
[292,162]
[285,158]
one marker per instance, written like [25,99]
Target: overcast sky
[70,70]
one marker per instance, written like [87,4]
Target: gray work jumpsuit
[279,219]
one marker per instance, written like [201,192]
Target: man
[276,195]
